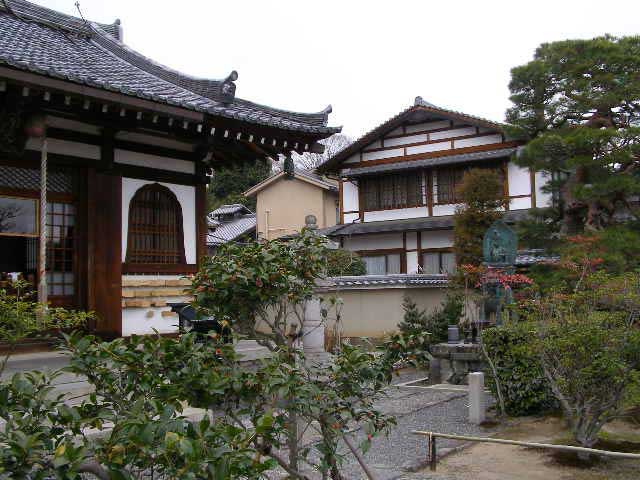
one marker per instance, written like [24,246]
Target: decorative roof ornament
[228,88]
[289,167]
[421,102]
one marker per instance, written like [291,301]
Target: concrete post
[313,329]
[435,372]
[477,404]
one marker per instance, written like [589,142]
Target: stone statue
[499,245]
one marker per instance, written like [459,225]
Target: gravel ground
[396,455]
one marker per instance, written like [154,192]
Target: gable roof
[300,174]
[231,230]
[230,208]
[420,106]
[50,43]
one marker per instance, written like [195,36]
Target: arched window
[155,227]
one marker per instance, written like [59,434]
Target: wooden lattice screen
[155,227]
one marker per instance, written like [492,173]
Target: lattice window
[447,180]
[155,227]
[392,191]
[29,179]
[61,219]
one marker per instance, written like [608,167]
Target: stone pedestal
[457,360]
[477,403]
[313,332]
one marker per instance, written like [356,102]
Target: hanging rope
[42,284]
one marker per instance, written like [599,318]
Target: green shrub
[341,262]
[522,380]
[435,323]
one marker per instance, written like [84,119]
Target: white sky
[369,59]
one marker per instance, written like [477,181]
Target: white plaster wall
[64,147]
[67,124]
[412,262]
[153,161]
[520,203]
[519,180]
[351,217]
[349,197]
[472,142]
[429,147]
[374,241]
[412,240]
[396,152]
[437,239]
[458,132]
[136,322]
[154,140]
[390,142]
[395,214]
[418,127]
[185,194]
[439,210]
[542,199]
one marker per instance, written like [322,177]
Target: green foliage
[419,330]
[228,183]
[341,262]
[520,375]
[588,343]
[241,285]
[576,102]
[22,317]
[481,195]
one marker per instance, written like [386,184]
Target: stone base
[457,360]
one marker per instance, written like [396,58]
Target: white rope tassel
[42,285]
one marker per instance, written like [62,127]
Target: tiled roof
[419,105]
[232,208]
[429,162]
[374,281]
[228,231]
[407,225]
[50,43]
[304,175]
[530,257]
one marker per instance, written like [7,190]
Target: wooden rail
[431,446]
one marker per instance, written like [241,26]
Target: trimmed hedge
[524,387]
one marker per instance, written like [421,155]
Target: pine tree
[414,321]
[578,104]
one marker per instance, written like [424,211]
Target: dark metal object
[188,321]
[432,453]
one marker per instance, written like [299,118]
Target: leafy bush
[341,262]
[436,322]
[522,381]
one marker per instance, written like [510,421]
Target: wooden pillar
[104,251]
[201,223]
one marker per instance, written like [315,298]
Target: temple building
[124,146]
[398,184]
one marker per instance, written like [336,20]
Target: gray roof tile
[47,42]
[228,231]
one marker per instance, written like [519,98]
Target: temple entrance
[19,233]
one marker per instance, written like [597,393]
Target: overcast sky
[368,59]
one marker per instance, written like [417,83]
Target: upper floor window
[383,264]
[155,227]
[447,180]
[392,191]
[435,262]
